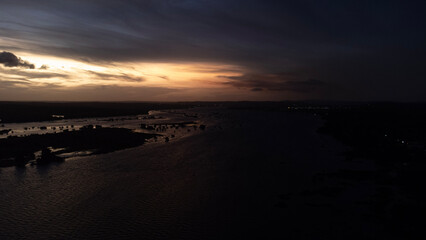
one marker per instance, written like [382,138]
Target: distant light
[58,116]
[402,141]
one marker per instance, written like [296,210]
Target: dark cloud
[256,33]
[274,82]
[330,39]
[9,59]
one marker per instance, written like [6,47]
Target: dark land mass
[45,111]
[97,140]
[385,132]
[393,136]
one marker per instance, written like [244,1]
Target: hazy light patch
[184,75]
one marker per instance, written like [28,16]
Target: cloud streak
[120,77]
[33,74]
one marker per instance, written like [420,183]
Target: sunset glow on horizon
[209,51]
[189,81]
[72,72]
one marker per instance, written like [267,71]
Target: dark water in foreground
[249,174]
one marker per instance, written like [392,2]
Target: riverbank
[17,151]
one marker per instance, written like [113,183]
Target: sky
[212,50]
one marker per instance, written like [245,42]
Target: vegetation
[99,140]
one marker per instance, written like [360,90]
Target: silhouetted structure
[47,157]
